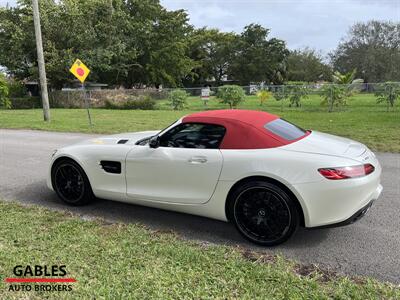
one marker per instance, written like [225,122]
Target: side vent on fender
[122,141]
[111,166]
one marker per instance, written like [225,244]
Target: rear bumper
[328,203]
[354,218]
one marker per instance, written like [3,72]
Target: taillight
[346,172]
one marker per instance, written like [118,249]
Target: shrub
[109,104]
[145,103]
[231,94]
[295,93]
[177,99]
[333,95]
[26,102]
[388,92]
[338,94]
[279,93]
[263,96]
[141,102]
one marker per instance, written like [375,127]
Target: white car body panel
[166,178]
[166,174]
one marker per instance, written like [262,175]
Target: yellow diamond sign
[80,70]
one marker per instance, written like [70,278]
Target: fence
[305,97]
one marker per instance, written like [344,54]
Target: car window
[285,129]
[193,135]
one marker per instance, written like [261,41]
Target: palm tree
[346,78]
[345,86]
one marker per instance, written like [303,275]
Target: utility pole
[42,70]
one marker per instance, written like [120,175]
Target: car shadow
[188,226]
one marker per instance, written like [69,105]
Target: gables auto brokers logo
[40,279]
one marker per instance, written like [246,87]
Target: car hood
[327,144]
[122,138]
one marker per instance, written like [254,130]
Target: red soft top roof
[244,128]
[251,117]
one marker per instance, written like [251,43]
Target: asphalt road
[369,247]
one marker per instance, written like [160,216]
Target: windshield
[146,140]
[169,126]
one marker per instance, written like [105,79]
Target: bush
[388,92]
[295,93]
[263,96]
[177,99]
[279,93]
[26,102]
[17,89]
[333,95]
[231,94]
[142,102]
[145,103]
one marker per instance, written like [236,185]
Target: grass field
[362,119]
[117,261]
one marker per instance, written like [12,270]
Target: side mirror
[154,142]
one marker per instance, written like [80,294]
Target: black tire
[71,183]
[263,213]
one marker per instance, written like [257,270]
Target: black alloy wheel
[264,213]
[71,183]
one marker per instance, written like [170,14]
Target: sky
[318,24]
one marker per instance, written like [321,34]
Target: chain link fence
[305,97]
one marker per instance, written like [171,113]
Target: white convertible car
[252,168]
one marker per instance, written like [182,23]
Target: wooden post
[42,70]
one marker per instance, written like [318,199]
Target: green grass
[362,119]
[119,261]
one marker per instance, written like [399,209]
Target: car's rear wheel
[71,183]
[263,213]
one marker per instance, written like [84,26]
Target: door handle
[198,160]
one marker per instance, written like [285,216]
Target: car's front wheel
[71,183]
[263,213]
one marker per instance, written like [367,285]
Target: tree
[17,41]
[344,87]
[4,91]
[164,49]
[257,58]
[231,94]
[125,43]
[213,51]
[307,65]
[346,78]
[373,48]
